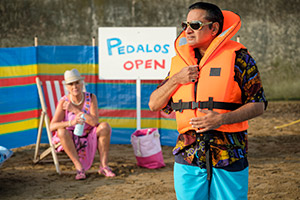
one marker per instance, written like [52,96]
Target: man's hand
[161,96]
[187,74]
[211,121]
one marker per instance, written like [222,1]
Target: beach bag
[147,148]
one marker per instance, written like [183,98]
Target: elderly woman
[81,149]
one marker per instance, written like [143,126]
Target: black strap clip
[180,105]
[195,104]
[210,103]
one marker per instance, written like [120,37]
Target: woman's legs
[103,134]
[69,147]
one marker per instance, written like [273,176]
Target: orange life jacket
[216,77]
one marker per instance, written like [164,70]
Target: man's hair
[214,13]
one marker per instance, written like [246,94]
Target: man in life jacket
[214,86]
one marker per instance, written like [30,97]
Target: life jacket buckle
[195,104]
[180,105]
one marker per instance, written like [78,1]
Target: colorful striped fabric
[20,106]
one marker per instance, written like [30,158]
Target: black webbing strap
[210,104]
[208,156]
[207,137]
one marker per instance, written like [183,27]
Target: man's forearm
[246,112]
[161,96]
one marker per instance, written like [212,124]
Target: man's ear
[215,28]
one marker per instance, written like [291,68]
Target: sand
[274,157]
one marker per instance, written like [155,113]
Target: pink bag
[147,148]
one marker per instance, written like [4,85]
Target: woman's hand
[78,118]
[67,105]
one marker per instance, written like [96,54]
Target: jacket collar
[231,26]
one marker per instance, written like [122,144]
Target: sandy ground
[274,156]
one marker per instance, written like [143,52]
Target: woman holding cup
[81,108]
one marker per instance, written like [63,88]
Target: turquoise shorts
[191,183]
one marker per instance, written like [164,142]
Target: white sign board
[132,53]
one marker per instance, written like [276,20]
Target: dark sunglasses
[195,25]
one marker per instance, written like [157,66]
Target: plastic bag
[4,154]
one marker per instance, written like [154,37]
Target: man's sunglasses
[195,25]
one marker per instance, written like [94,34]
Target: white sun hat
[72,76]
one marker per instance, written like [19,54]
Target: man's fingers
[202,130]
[193,68]
[204,111]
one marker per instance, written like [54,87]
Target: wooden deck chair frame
[45,118]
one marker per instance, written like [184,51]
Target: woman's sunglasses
[195,25]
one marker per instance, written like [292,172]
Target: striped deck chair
[52,92]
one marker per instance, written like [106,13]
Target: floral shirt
[226,147]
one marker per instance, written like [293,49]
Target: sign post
[138,103]
[135,53]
